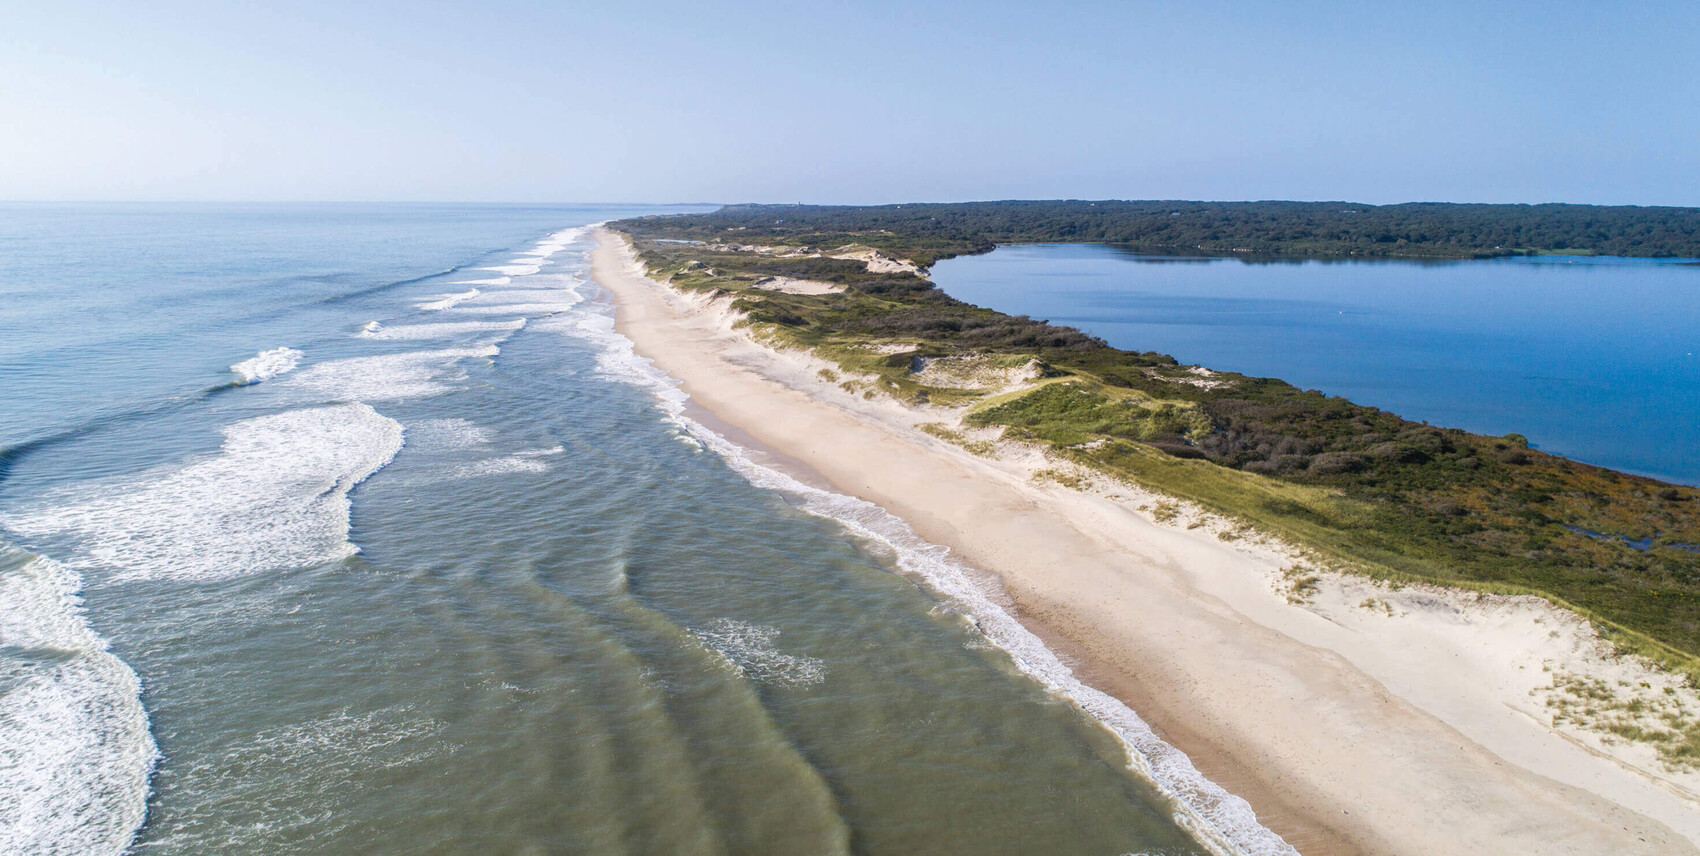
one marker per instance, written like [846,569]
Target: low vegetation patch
[1637,714]
[1066,478]
[1299,584]
[949,435]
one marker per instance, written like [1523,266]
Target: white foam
[518,267]
[532,461]
[554,243]
[1219,819]
[274,497]
[567,297]
[266,365]
[75,752]
[439,331]
[567,236]
[353,743]
[500,280]
[446,301]
[749,649]
[438,435]
[324,759]
[387,377]
[527,309]
[534,301]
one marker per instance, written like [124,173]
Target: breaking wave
[448,301]
[375,330]
[518,267]
[75,752]
[274,497]
[266,365]
[387,377]
[519,308]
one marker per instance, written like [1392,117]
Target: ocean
[1597,359]
[347,529]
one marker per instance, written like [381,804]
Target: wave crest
[448,301]
[266,365]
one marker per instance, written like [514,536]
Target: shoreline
[1333,748]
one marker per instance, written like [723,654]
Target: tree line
[929,231]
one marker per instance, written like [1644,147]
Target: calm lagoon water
[1597,359]
[386,543]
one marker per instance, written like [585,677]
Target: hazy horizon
[851,103]
[665,204]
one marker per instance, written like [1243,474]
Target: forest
[926,232]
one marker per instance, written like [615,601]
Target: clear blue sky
[851,102]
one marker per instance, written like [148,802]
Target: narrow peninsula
[1368,627]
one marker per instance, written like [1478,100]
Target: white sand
[1348,729]
[879,262]
[797,286]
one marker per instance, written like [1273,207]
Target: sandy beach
[1412,728]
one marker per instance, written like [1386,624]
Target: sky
[828,102]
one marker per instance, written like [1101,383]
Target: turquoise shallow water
[386,543]
[1593,358]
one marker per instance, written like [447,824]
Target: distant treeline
[929,231]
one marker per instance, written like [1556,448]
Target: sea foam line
[75,751]
[528,309]
[528,262]
[386,377]
[528,461]
[1218,819]
[518,267]
[376,330]
[448,301]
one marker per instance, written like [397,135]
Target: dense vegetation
[1356,484]
[926,232]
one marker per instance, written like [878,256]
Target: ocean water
[1597,359]
[357,529]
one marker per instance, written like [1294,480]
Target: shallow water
[1597,359]
[410,554]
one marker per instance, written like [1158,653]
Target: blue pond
[1592,358]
